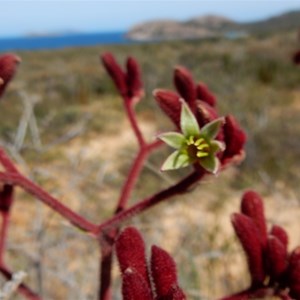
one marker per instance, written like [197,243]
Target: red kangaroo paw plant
[158,281]
[207,141]
[8,68]
[204,140]
[274,271]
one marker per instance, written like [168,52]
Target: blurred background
[63,123]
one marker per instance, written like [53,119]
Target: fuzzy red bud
[281,234]
[248,235]
[164,274]
[185,86]
[115,72]
[253,207]
[277,257]
[134,286]
[204,94]
[134,82]
[169,102]
[130,249]
[234,138]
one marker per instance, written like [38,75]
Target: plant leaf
[210,163]
[173,139]
[211,129]
[216,146]
[188,122]
[175,161]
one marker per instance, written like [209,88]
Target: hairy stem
[146,203]
[3,234]
[36,191]
[134,124]
[134,174]
[7,163]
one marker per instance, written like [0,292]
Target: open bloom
[212,142]
[194,145]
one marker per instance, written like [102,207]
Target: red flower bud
[134,286]
[248,235]
[164,274]
[252,206]
[170,104]
[130,250]
[293,273]
[204,94]
[8,67]
[205,113]
[294,257]
[134,83]
[6,198]
[276,255]
[235,139]
[185,86]
[115,72]
[281,234]
[294,281]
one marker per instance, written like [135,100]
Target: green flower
[193,145]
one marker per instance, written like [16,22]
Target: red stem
[142,205]
[33,189]
[134,174]
[131,179]
[23,289]
[107,246]
[7,163]
[134,124]
[3,234]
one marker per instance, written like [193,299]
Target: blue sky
[24,17]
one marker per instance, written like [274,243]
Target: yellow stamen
[203,146]
[190,140]
[202,154]
[199,141]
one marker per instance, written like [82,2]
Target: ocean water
[62,41]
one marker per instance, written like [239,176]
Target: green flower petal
[211,129]
[188,122]
[173,139]
[175,161]
[216,146]
[210,163]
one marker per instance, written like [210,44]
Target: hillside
[211,26]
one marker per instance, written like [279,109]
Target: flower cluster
[128,82]
[205,139]
[194,145]
[274,271]
[159,281]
